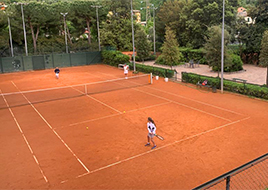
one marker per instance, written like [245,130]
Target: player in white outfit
[126,70]
[151,128]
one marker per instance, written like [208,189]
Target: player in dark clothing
[57,72]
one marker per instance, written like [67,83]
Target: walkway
[251,73]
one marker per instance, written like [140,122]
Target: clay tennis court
[52,141]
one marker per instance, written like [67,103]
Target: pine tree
[170,50]
[142,45]
[264,53]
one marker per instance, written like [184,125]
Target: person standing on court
[126,70]
[151,128]
[57,72]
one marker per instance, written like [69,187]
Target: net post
[151,78]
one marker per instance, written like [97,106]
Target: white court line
[158,148]
[25,139]
[197,101]
[53,130]
[98,101]
[184,105]
[112,115]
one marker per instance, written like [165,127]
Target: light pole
[24,30]
[222,45]
[10,37]
[97,7]
[9,29]
[154,8]
[133,43]
[66,44]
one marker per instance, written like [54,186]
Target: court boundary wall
[41,62]
[252,175]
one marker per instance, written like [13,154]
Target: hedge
[155,70]
[114,58]
[228,85]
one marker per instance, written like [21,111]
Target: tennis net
[21,98]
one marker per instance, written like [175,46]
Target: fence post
[228,179]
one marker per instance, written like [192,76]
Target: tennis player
[57,72]
[126,67]
[151,128]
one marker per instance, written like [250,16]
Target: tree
[171,14]
[142,45]
[213,47]
[170,50]
[203,14]
[37,15]
[83,15]
[264,53]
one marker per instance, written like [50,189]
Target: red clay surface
[97,141]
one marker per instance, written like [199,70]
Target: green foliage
[117,32]
[142,45]
[151,57]
[246,89]
[172,14]
[201,15]
[264,53]
[232,64]
[213,47]
[194,54]
[264,50]
[170,50]
[154,70]
[114,58]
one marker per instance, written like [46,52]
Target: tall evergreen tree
[264,53]
[170,50]
[142,45]
[213,48]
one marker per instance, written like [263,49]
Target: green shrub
[114,57]
[246,89]
[232,64]
[161,61]
[155,70]
[151,57]
[195,54]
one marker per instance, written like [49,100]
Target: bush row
[114,58]
[155,70]
[246,89]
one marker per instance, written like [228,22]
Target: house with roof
[242,12]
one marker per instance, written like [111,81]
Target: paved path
[251,73]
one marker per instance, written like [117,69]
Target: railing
[252,175]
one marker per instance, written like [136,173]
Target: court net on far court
[21,98]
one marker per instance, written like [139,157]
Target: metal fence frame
[227,176]
[48,61]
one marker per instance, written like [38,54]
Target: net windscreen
[21,98]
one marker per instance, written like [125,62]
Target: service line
[25,139]
[159,148]
[83,165]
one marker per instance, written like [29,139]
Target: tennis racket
[160,137]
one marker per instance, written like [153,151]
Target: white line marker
[197,101]
[53,130]
[184,105]
[25,139]
[159,148]
[99,101]
[113,115]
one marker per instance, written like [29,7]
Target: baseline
[83,165]
[25,139]
[197,101]
[159,148]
